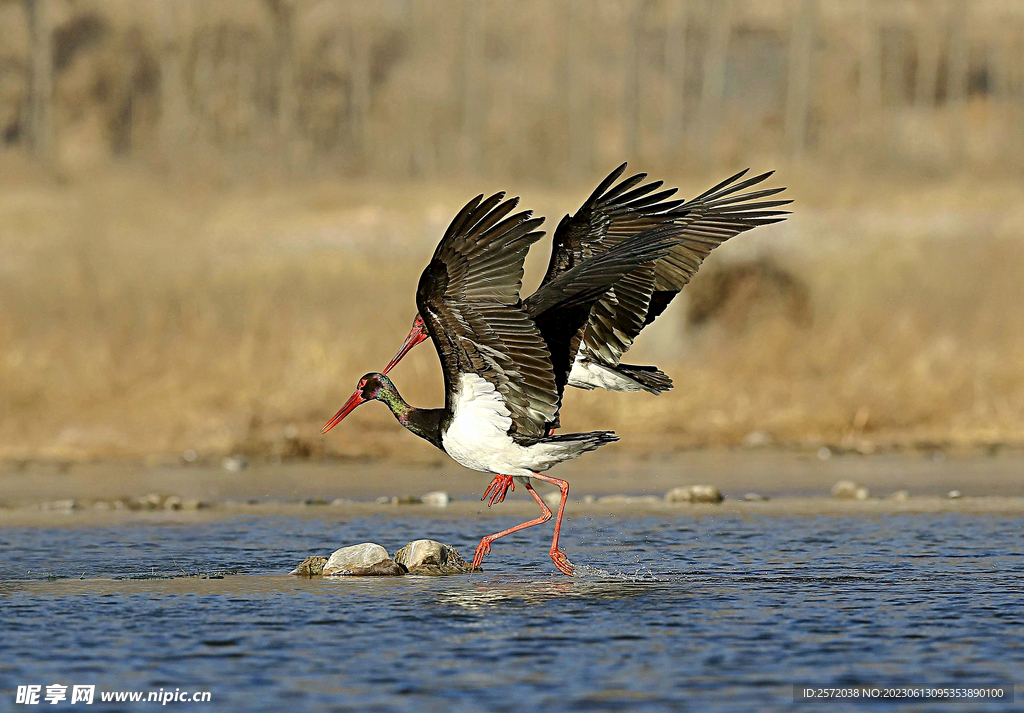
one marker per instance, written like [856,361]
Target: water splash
[641,573]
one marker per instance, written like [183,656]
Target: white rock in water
[346,559]
[436,499]
[430,557]
[419,551]
[954,495]
[694,494]
[848,490]
[754,497]
[900,495]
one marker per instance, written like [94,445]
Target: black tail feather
[651,378]
[593,439]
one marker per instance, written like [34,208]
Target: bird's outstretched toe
[562,562]
[482,550]
[498,489]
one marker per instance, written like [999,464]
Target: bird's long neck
[425,423]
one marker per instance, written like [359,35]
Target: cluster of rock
[683,494]
[422,557]
[694,494]
[435,498]
[152,501]
[849,490]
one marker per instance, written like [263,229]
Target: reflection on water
[720,613]
[502,593]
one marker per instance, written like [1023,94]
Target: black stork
[505,362]
[614,213]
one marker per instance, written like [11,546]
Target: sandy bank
[794,484]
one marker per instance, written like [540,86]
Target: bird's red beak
[416,335]
[350,406]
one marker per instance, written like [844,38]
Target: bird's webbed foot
[498,489]
[482,550]
[562,562]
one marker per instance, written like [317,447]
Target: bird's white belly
[477,436]
[586,374]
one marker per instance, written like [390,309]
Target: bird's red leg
[498,489]
[557,556]
[485,543]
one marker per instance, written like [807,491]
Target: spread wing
[561,307]
[708,221]
[469,298]
[700,225]
[611,214]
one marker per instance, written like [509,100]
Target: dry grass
[145,319]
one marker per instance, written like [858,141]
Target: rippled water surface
[673,613]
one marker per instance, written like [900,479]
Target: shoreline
[466,509]
[790,483]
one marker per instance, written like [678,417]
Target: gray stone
[954,495]
[153,501]
[64,505]
[705,494]
[679,495]
[348,559]
[430,557]
[694,494]
[754,498]
[849,490]
[234,464]
[900,496]
[436,499]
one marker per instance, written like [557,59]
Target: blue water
[670,613]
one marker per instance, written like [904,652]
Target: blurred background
[212,215]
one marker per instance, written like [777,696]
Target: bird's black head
[369,388]
[372,384]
